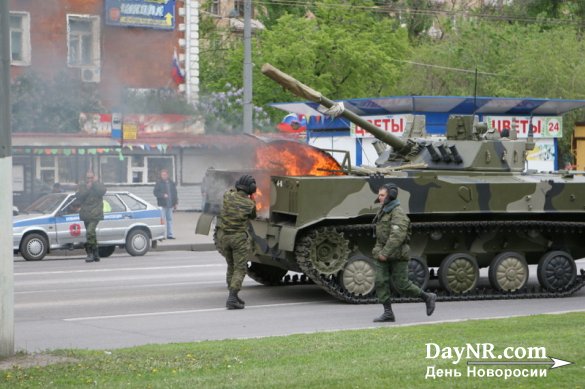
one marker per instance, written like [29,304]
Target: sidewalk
[184,231]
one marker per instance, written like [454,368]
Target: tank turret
[470,145]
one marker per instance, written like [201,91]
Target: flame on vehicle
[295,159]
[286,158]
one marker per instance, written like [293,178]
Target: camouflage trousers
[90,233]
[236,249]
[395,272]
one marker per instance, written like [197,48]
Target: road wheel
[34,247]
[106,251]
[266,274]
[418,272]
[358,276]
[556,270]
[508,272]
[458,273]
[137,243]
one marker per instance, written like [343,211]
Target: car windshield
[46,204]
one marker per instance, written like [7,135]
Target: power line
[423,12]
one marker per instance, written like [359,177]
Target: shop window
[146,169]
[113,170]
[62,169]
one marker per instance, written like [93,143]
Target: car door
[117,218]
[70,229]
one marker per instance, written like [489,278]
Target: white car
[52,222]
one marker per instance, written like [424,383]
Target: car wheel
[137,243]
[34,247]
[106,251]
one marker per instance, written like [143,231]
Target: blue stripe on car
[146,214]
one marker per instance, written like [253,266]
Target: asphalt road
[179,296]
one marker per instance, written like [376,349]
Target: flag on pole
[293,123]
[177,73]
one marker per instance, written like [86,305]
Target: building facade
[118,47]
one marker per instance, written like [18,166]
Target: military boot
[90,255]
[239,299]
[388,315]
[429,299]
[232,301]
[96,254]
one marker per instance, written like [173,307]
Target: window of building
[239,7]
[83,40]
[214,7]
[19,39]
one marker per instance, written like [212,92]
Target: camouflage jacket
[236,212]
[91,201]
[392,232]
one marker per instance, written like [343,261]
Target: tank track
[332,286]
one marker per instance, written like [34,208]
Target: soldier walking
[392,253]
[233,239]
[91,199]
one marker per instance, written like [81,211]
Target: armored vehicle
[471,203]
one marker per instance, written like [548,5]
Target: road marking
[137,286]
[189,311]
[116,269]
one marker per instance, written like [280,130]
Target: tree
[513,60]
[343,51]
[41,105]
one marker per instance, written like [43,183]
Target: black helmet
[246,183]
[392,190]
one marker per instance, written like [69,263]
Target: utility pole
[247,67]
[6,255]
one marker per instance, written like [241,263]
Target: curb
[185,247]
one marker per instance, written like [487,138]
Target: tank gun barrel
[303,91]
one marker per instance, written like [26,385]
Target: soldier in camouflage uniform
[392,253]
[233,240]
[90,197]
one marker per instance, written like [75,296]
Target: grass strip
[384,357]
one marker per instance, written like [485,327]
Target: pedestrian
[233,239]
[90,197]
[165,192]
[392,253]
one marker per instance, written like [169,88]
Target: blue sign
[158,14]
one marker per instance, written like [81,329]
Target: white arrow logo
[553,363]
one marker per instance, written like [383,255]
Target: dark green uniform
[92,210]
[233,239]
[392,238]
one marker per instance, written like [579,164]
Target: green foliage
[344,51]
[269,12]
[384,357]
[223,112]
[512,60]
[40,105]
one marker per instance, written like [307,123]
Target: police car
[52,222]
